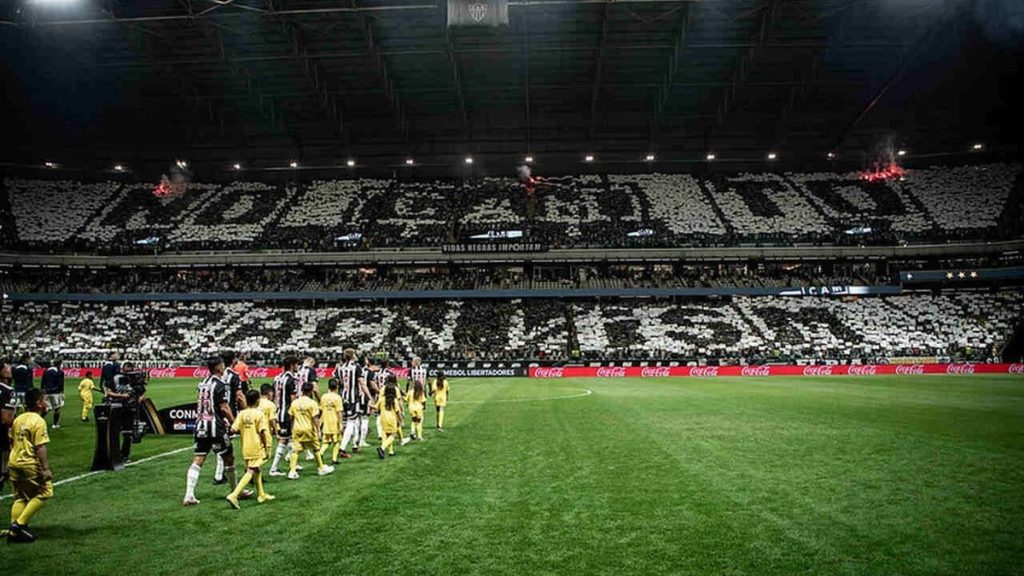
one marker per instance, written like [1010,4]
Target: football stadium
[512,287]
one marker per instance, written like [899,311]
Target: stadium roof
[264,82]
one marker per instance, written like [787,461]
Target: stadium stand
[767,208]
[963,326]
[332,279]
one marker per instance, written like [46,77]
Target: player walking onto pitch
[254,428]
[417,373]
[285,391]
[213,418]
[352,381]
[330,416]
[389,408]
[29,467]
[305,415]
[236,398]
[308,374]
[440,391]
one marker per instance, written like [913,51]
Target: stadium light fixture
[118,168]
[710,156]
[469,159]
[181,164]
[588,158]
[831,155]
[649,158]
[410,161]
[350,163]
[50,165]
[977,146]
[294,164]
[772,155]
[236,166]
[528,159]
[901,152]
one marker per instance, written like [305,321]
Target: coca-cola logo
[817,370]
[704,371]
[611,372]
[200,372]
[1016,369]
[862,370]
[756,371]
[960,369]
[555,372]
[910,369]
[74,373]
[654,372]
[262,372]
[162,372]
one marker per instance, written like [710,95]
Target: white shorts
[55,401]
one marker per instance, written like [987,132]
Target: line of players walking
[304,421]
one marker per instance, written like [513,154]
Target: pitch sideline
[96,472]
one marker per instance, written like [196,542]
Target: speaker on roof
[477,12]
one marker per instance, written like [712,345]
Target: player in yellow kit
[415,401]
[305,415]
[254,429]
[268,407]
[29,467]
[330,420]
[440,392]
[85,389]
[389,406]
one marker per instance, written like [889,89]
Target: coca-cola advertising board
[773,370]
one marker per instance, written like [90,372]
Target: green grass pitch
[833,475]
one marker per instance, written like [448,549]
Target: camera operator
[129,389]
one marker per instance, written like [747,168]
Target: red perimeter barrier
[202,372]
[779,370]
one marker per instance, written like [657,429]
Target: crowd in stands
[333,279]
[961,326]
[934,204]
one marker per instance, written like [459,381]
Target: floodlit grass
[833,475]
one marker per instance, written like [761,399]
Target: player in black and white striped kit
[213,422]
[308,374]
[351,378]
[236,398]
[373,386]
[285,391]
[417,373]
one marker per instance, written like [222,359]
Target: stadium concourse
[925,205]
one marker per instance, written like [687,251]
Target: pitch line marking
[95,472]
[586,392]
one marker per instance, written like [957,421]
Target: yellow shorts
[329,438]
[27,484]
[254,462]
[305,443]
